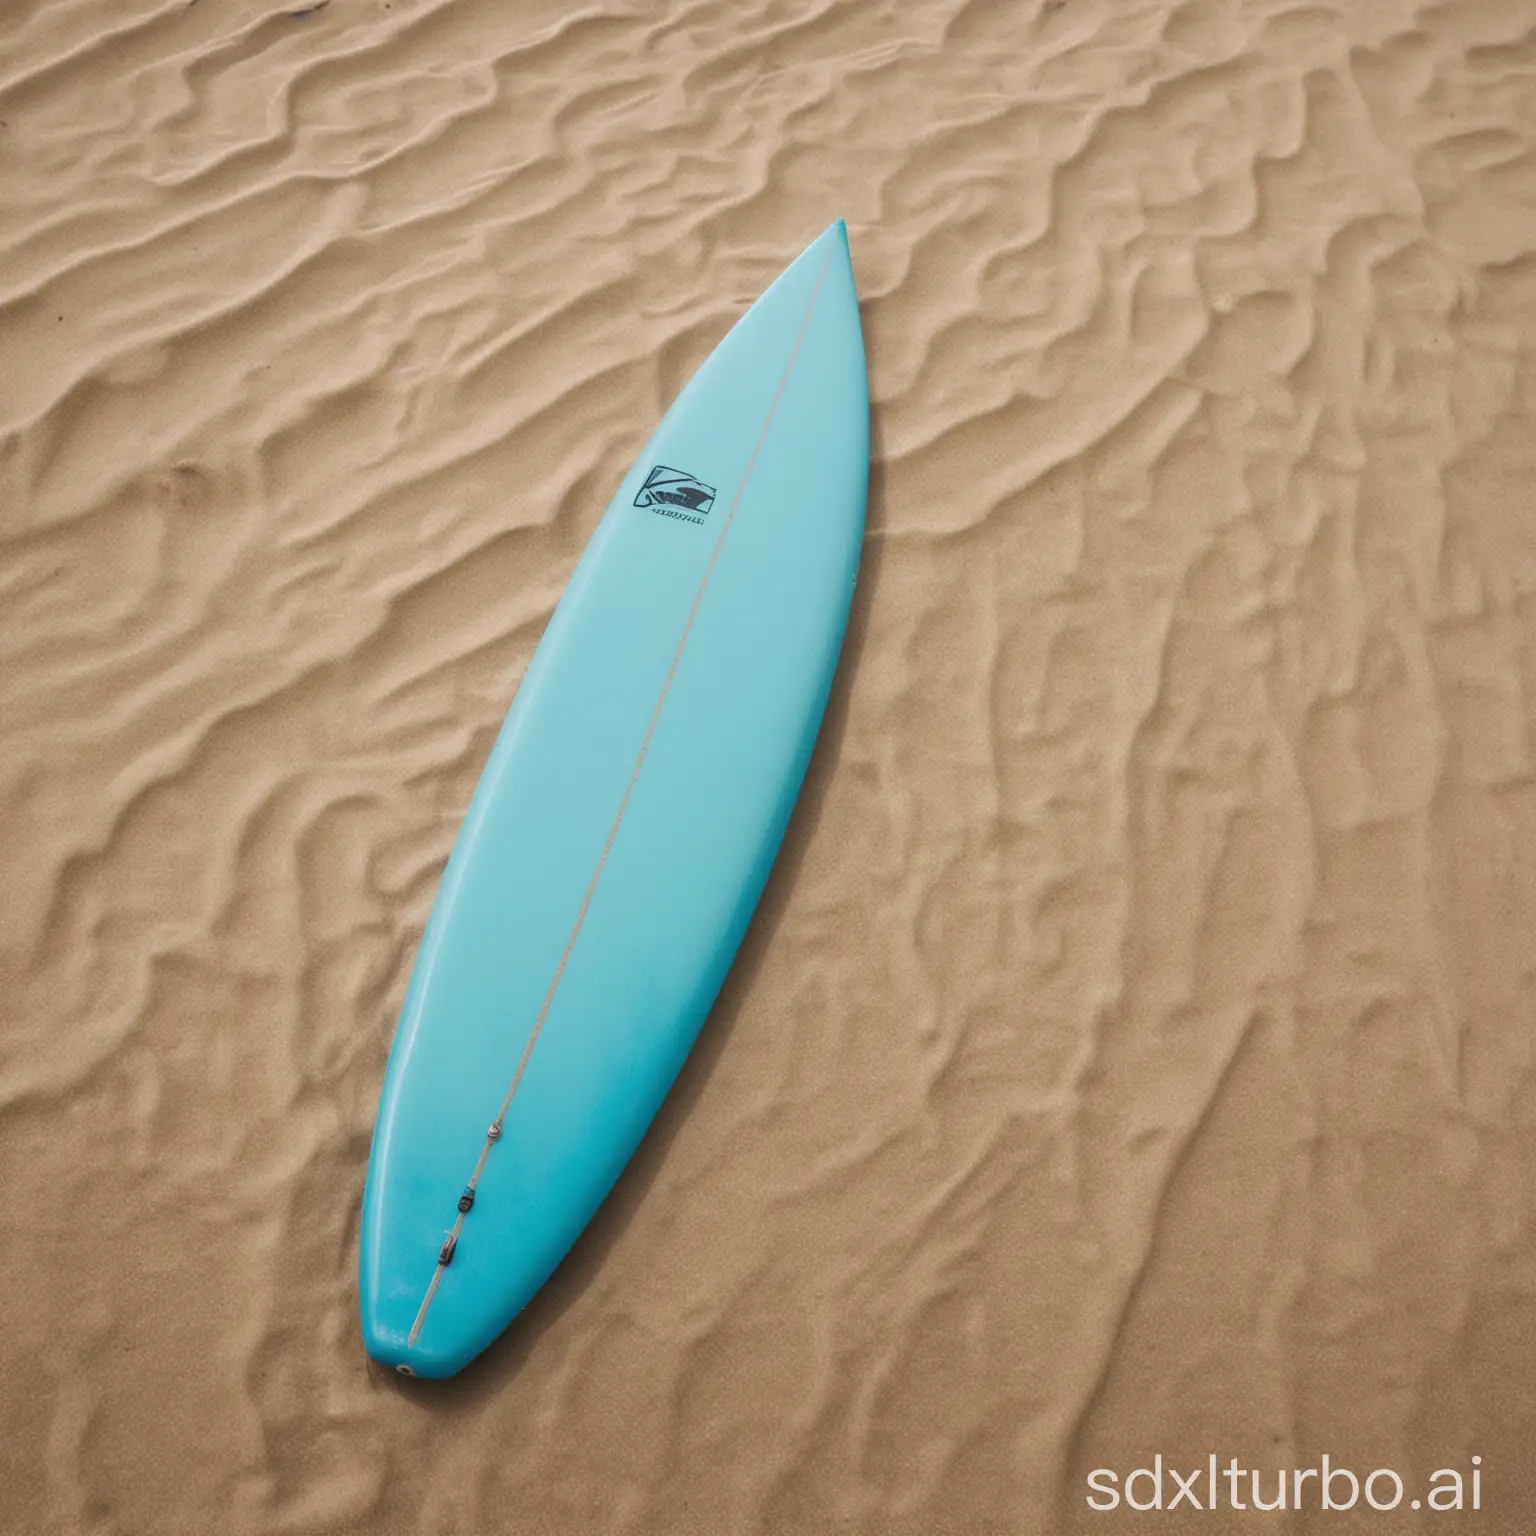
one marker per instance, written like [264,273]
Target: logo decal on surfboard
[671,493]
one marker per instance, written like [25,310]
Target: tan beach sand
[1136,1051]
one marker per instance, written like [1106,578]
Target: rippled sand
[1135,1051]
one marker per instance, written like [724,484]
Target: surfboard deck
[624,826]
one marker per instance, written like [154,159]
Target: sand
[1134,1052]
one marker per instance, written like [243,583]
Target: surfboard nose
[835,233]
[826,260]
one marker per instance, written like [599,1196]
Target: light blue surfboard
[620,837]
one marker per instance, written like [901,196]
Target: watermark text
[1163,1486]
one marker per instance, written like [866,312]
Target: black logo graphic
[674,494]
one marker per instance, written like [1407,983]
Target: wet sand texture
[1134,1052]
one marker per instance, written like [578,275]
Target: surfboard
[624,826]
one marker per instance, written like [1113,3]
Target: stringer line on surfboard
[493,1133]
